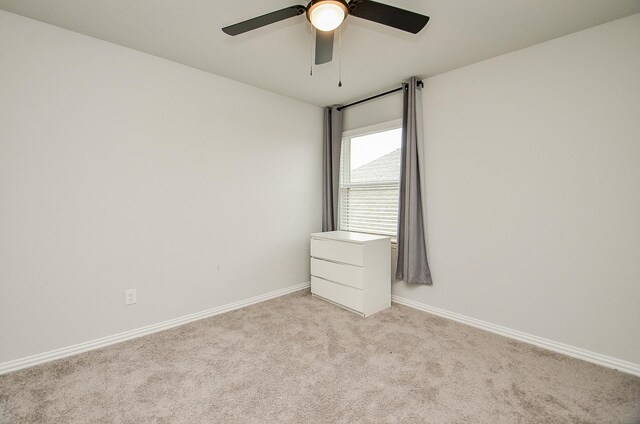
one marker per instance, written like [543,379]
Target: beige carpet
[297,359]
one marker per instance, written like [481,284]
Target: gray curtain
[332,142]
[412,252]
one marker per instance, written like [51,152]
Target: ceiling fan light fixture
[327,15]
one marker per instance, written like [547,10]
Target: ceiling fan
[327,15]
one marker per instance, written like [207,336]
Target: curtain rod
[419,83]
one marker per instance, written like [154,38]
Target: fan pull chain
[340,57]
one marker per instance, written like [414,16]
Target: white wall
[122,170]
[533,190]
[383,109]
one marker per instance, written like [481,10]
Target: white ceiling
[277,57]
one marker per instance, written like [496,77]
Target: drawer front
[340,251]
[343,295]
[346,274]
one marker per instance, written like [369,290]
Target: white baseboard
[139,332]
[576,352]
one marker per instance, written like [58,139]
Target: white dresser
[352,270]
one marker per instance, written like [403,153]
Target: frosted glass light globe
[327,16]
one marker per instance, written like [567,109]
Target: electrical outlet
[130,297]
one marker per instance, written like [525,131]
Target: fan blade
[388,15]
[324,47]
[260,21]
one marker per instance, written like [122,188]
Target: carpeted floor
[297,359]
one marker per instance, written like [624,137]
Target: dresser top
[348,236]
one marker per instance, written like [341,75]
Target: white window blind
[369,182]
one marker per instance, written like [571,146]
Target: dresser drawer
[350,275]
[340,251]
[346,296]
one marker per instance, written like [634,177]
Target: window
[370,179]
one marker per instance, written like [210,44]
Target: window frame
[346,141]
